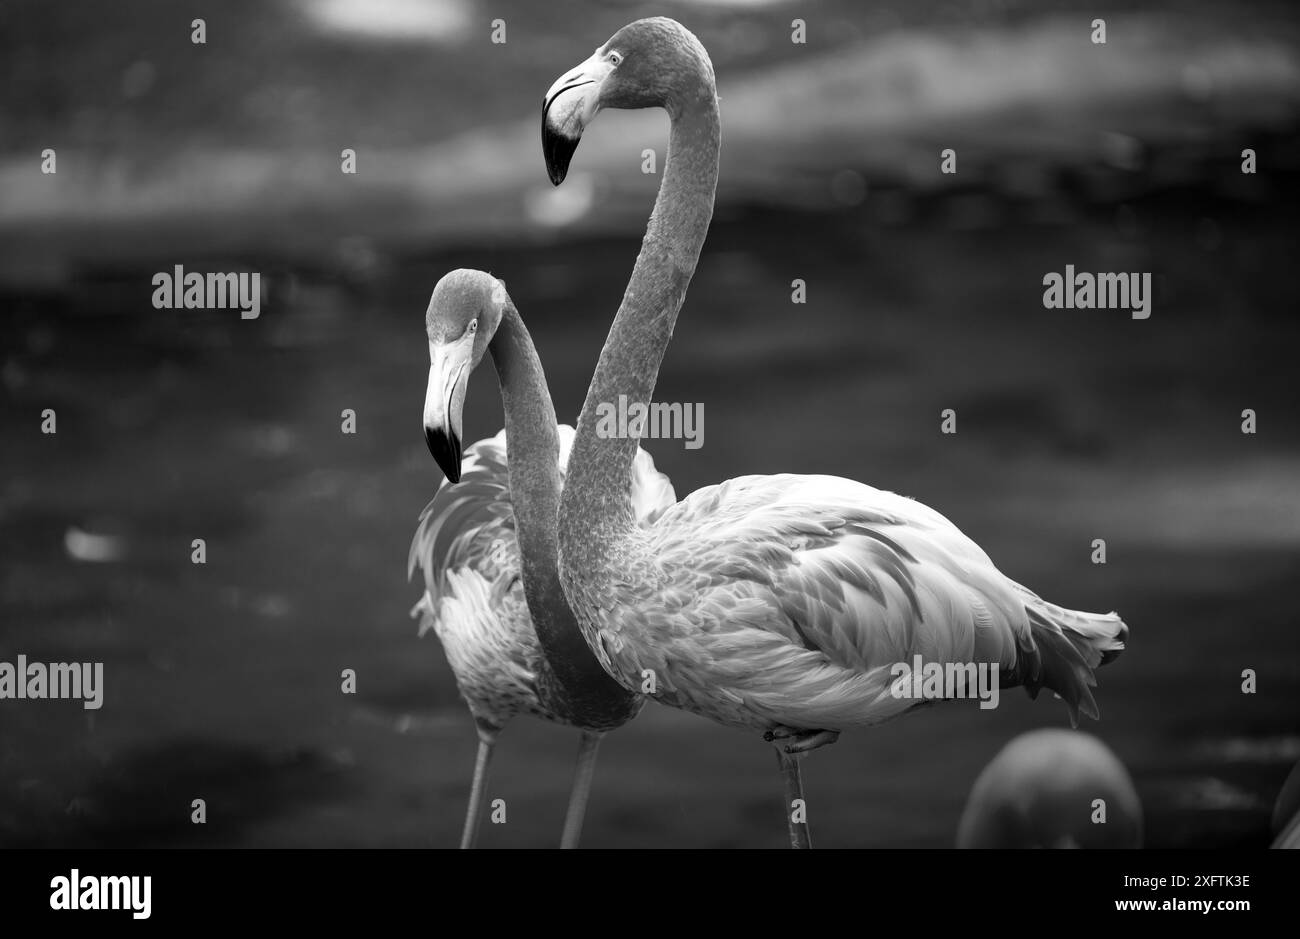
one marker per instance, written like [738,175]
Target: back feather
[472,523]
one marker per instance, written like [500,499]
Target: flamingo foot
[801,741]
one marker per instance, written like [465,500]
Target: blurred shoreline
[1162,97]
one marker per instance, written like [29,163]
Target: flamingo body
[466,550]
[785,601]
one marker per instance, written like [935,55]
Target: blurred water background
[924,293]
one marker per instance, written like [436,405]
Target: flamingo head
[463,315]
[1043,790]
[650,63]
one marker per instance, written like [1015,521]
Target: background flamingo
[780,603]
[1286,812]
[1040,790]
[488,560]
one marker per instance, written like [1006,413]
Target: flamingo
[486,544]
[1040,791]
[1286,812]
[775,604]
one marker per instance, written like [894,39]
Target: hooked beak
[443,402]
[567,109]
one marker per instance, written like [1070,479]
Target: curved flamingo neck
[578,687]
[596,508]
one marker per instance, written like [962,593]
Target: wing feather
[845,581]
[467,552]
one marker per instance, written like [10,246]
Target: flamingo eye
[614,59]
[473,325]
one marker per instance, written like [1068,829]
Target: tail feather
[1065,648]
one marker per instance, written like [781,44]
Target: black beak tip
[444,447]
[558,151]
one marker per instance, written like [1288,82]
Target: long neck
[597,502]
[533,451]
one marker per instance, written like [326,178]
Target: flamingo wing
[795,597]
[468,525]
[468,556]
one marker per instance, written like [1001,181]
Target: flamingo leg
[803,740]
[800,837]
[487,739]
[577,810]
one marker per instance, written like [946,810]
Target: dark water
[223,680]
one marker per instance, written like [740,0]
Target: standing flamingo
[778,604]
[487,547]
